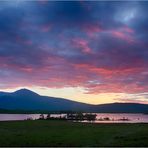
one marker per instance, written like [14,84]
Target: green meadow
[64,133]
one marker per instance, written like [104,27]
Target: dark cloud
[101,46]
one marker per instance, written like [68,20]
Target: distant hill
[27,100]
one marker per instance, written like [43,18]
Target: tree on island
[90,117]
[48,116]
[41,117]
[79,116]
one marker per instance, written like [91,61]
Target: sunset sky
[92,52]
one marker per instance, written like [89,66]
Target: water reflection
[100,118]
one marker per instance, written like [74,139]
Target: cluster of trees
[71,116]
[81,117]
[49,117]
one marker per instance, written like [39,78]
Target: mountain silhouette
[25,92]
[25,99]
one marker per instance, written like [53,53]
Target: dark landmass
[62,134]
[26,101]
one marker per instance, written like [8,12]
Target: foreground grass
[62,133]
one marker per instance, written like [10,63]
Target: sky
[88,51]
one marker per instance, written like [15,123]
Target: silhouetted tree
[106,118]
[41,117]
[71,116]
[79,116]
[90,117]
[48,116]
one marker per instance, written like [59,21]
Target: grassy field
[62,133]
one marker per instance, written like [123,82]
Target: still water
[113,118]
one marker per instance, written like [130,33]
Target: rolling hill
[27,100]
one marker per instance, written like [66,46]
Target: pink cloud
[123,36]
[111,80]
[82,75]
[82,44]
[115,88]
[92,29]
[128,29]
